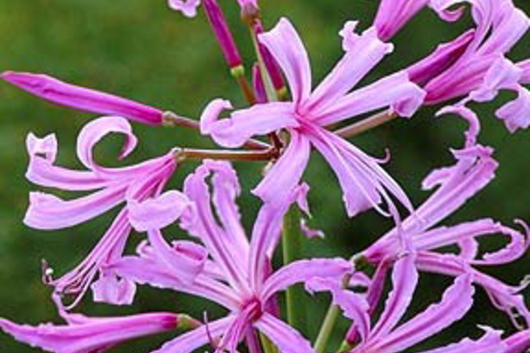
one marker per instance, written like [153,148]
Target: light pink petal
[190,341]
[518,342]
[364,183]
[525,66]
[157,274]
[404,282]
[502,296]
[157,213]
[113,290]
[354,306]
[211,113]
[109,248]
[455,303]
[510,26]
[42,171]
[264,239]
[260,119]
[50,212]
[516,114]
[490,342]
[363,52]
[95,130]
[396,91]
[81,98]
[206,227]
[280,181]
[187,7]
[304,270]
[282,335]
[226,189]
[96,334]
[287,48]
[503,74]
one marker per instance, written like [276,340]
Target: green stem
[292,250]
[267,345]
[326,329]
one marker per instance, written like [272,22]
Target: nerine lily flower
[473,170]
[389,334]
[226,268]
[482,70]
[110,187]
[92,334]
[364,183]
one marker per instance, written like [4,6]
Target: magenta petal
[490,342]
[282,335]
[518,343]
[94,335]
[394,14]
[157,213]
[81,98]
[503,74]
[287,48]
[197,338]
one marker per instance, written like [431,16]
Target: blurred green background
[142,50]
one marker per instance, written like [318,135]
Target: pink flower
[81,98]
[473,170]
[110,187]
[226,268]
[365,184]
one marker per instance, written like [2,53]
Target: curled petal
[157,213]
[353,305]
[303,271]
[503,74]
[287,48]
[95,130]
[113,290]
[490,342]
[516,114]
[94,334]
[211,113]
[394,14]
[259,119]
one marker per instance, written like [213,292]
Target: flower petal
[363,52]
[197,338]
[287,48]
[113,290]
[280,181]
[187,7]
[516,114]
[282,335]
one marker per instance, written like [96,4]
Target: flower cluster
[286,119]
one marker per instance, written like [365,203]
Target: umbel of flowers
[287,119]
